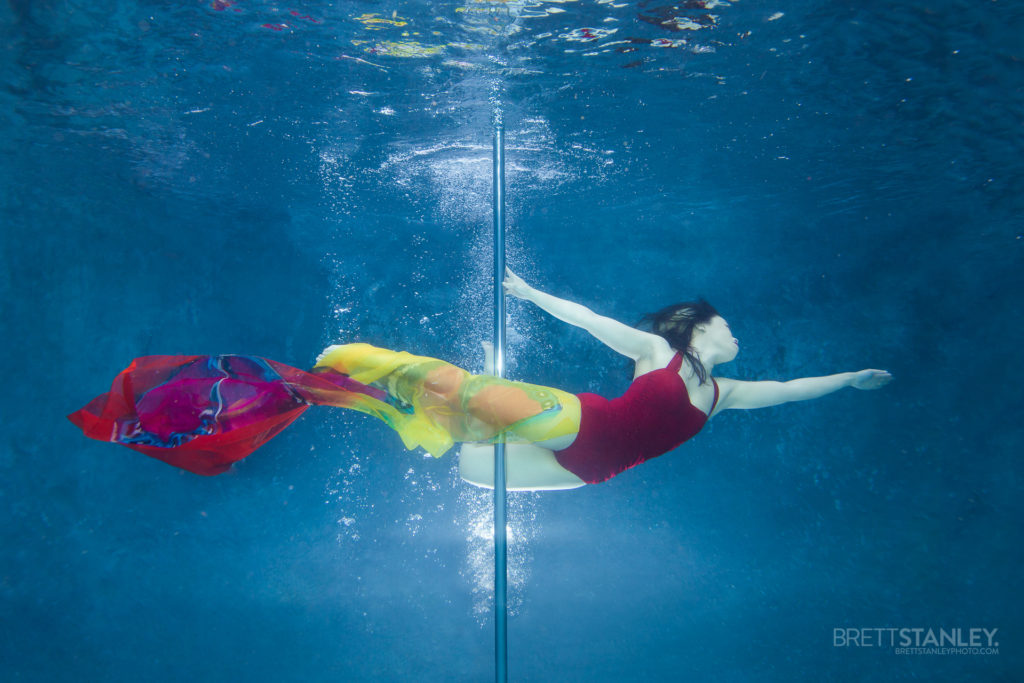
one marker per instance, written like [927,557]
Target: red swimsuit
[653,417]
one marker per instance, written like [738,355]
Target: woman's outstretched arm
[738,395]
[622,338]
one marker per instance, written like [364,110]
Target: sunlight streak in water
[476,520]
[425,515]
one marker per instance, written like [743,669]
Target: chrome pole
[500,494]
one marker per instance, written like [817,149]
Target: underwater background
[843,181]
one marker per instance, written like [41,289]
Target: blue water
[843,182]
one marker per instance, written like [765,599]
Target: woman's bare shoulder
[659,355]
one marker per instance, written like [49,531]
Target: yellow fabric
[434,404]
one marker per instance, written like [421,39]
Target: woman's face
[718,333]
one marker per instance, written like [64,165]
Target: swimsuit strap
[676,362]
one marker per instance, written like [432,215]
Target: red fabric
[653,417]
[202,413]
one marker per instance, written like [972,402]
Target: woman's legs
[527,468]
[486,408]
[433,404]
[470,408]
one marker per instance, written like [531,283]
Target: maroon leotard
[653,417]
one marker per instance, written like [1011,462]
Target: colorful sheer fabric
[202,413]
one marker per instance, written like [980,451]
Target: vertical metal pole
[500,495]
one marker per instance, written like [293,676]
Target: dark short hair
[676,324]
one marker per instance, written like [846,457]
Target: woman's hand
[870,379]
[515,286]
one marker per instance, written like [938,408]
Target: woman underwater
[202,413]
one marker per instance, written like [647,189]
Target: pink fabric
[202,413]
